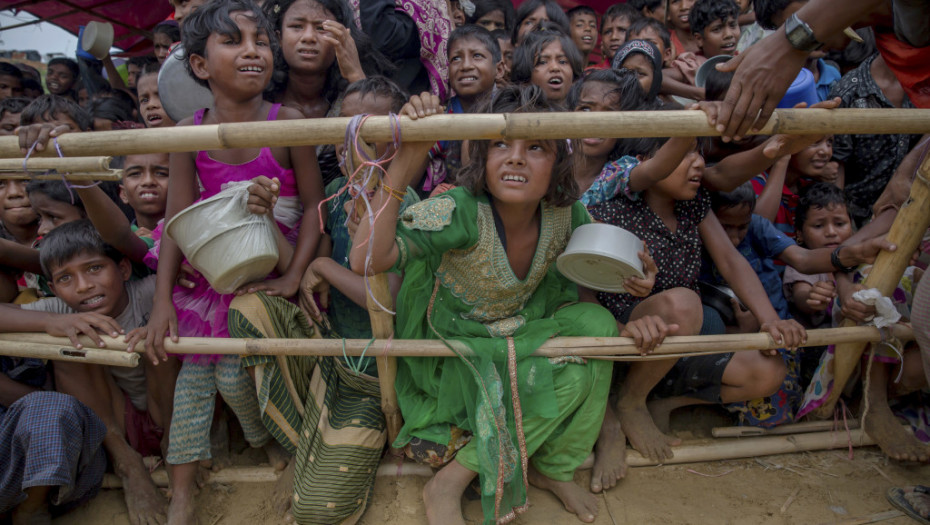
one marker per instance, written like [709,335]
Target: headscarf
[652,53]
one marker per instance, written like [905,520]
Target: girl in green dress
[478,275]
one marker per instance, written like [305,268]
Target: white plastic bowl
[97,39]
[226,243]
[601,256]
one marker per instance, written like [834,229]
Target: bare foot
[919,500]
[661,412]
[894,440]
[181,510]
[284,490]
[643,434]
[442,495]
[277,456]
[609,454]
[144,501]
[576,499]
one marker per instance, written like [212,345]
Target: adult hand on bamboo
[314,289]
[338,36]
[864,252]
[90,324]
[643,287]
[821,295]
[422,105]
[263,195]
[39,135]
[762,74]
[648,332]
[786,333]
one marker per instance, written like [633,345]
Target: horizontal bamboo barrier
[62,164]
[780,430]
[591,347]
[109,175]
[555,125]
[63,351]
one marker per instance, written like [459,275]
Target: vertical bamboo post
[907,231]
[382,322]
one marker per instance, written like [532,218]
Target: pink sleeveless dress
[201,311]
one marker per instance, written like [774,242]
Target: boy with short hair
[503,40]
[652,30]
[583,25]
[715,26]
[11,81]
[614,25]
[93,294]
[654,9]
[11,110]
[57,111]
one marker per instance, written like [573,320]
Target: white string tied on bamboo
[64,180]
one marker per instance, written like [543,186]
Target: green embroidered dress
[458,286]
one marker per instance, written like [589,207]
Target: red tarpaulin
[132,19]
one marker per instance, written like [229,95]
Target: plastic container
[97,39]
[700,77]
[225,242]
[180,94]
[601,256]
[802,89]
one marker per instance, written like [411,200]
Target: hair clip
[277,8]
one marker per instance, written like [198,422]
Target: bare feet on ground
[181,511]
[278,458]
[609,454]
[881,424]
[919,500]
[144,501]
[442,494]
[284,491]
[577,500]
[643,433]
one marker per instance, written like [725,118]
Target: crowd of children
[467,232]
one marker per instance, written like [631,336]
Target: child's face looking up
[597,96]
[145,184]
[371,104]
[825,227]
[91,282]
[301,43]
[518,172]
[471,68]
[814,160]
[15,209]
[685,181]
[150,108]
[584,32]
[52,213]
[735,221]
[9,123]
[530,22]
[678,11]
[492,21]
[236,67]
[642,66]
[162,43]
[613,35]
[58,79]
[719,38]
[552,72]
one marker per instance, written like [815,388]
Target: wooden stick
[747,448]
[789,501]
[114,175]
[63,351]
[684,123]
[791,428]
[227,475]
[906,232]
[83,164]
[580,346]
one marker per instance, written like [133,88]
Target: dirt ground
[823,487]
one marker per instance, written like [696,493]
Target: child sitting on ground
[491,315]
[290,179]
[93,295]
[583,22]
[550,61]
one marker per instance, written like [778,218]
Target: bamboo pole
[65,164]
[580,346]
[109,175]
[63,351]
[791,428]
[906,232]
[683,123]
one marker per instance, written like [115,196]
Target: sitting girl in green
[479,275]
